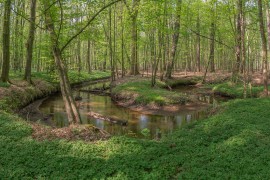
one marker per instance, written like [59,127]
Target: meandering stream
[137,121]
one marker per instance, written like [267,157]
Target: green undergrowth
[5,85]
[236,90]
[74,76]
[234,144]
[141,92]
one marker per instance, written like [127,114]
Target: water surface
[157,124]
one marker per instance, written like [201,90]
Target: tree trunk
[30,43]
[133,13]
[175,38]
[212,47]
[198,46]
[268,22]
[264,47]
[71,109]
[6,43]
[89,56]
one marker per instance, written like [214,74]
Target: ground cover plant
[232,144]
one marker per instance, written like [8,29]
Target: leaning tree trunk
[175,39]
[264,47]
[30,43]
[70,105]
[6,43]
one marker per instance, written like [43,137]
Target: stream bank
[24,99]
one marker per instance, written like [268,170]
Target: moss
[141,92]
[236,90]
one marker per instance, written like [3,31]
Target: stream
[139,124]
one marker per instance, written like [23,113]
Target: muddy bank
[24,99]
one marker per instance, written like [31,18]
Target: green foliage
[142,93]
[236,90]
[84,76]
[145,132]
[232,145]
[6,85]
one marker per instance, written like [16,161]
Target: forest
[134,89]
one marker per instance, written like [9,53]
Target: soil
[72,133]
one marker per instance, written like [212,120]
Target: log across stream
[103,113]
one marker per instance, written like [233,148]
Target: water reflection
[157,124]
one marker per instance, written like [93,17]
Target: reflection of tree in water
[188,118]
[143,121]
[136,121]
[179,120]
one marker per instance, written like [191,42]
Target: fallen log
[109,119]
[96,92]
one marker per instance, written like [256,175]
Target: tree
[264,47]
[30,43]
[50,19]
[133,13]
[175,39]
[6,43]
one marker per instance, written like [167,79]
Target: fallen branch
[109,119]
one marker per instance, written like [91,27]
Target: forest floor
[232,144]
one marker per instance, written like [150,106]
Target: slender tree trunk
[89,56]
[212,47]
[175,39]
[243,49]
[198,46]
[30,42]
[16,41]
[268,22]
[122,43]
[134,52]
[110,46]
[6,42]
[79,56]
[264,47]
[70,105]
[133,13]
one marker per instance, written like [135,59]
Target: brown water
[157,124]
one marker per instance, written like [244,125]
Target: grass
[234,144]
[74,76]
[236,90]
[141,92]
